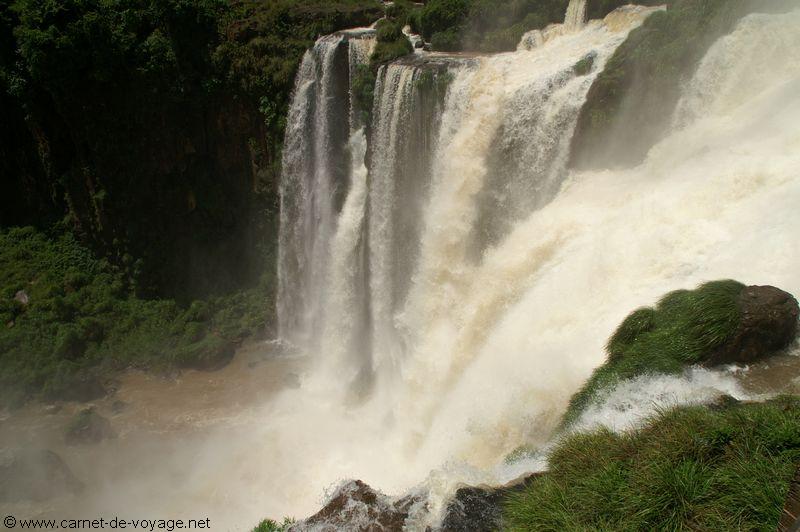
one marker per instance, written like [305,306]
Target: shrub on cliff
[691,468]
[392,43]
[719,322]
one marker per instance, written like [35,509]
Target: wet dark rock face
[480,508]
[34,475]
[768,324]
[356,506]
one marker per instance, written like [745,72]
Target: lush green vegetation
[268,40]
[149,133]
[81,318]
[630,104]
[155,127]
[363,87]
[684,328]
[391,42]
[689,469]
[483,25]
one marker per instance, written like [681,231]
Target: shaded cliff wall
[153,129]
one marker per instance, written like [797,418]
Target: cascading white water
[497,307]
[576,15]
[313,180]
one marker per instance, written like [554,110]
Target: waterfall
[576,15]
[315,179]
[406,119]
[574,20]
[449,269]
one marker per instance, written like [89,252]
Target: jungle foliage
[66,315]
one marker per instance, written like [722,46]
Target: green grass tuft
[685,327]
[690,468]
[268,525]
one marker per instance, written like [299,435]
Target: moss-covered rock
[691,468]
[720,322]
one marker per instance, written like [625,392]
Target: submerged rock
[80,388]
[356,506]
[768,323]
[88,427]
[34,475]
[210,354]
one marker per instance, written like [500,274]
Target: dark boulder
[88,427]
[768,323]
[34,475]
[357,507]
[480,508]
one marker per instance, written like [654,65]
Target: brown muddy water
[174,441]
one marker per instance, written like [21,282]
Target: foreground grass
[684,328]
[82,319]
[691,468]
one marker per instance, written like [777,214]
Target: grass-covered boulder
[691,468]
[720,322]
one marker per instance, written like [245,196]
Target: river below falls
[180,440]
